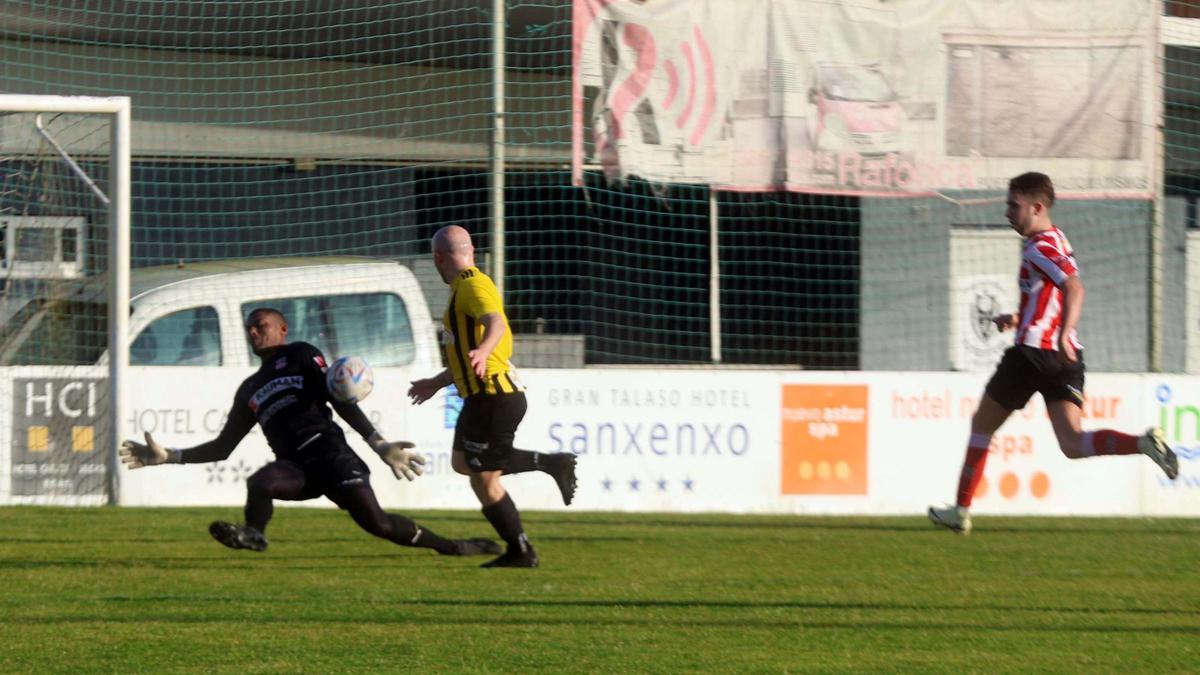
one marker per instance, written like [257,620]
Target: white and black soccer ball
[349,379]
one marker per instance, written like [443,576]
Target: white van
[194,314]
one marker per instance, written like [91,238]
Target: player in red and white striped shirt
[1046,358]
[1048,273]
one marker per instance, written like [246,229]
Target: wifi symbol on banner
[699,94]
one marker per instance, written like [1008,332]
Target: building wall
[906,279]
[199,104]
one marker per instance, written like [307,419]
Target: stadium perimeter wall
[675,440]
[914,252]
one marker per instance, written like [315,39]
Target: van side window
[190,337]
[374,326]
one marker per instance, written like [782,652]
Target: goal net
[63,223]
[359,129]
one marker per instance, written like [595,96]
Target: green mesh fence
[359,128]
[1181,153]
[53,304]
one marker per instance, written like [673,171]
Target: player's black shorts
[1024,370]
[486,428]
[330,466]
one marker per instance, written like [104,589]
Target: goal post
[37,199]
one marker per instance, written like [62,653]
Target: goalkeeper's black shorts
[330,466]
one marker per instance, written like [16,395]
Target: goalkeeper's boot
[521,555]
[474,547]
[1153,445]
[238,536]
[561,466]
[956,518]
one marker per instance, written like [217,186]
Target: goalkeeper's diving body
[288,399]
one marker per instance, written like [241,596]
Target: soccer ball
[349,379]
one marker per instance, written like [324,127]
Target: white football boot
[951,517]
[1153,445]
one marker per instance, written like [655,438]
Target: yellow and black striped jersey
[472,295]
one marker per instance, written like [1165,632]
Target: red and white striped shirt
[1047,262]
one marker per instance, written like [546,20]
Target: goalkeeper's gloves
[399,456]
[136,455]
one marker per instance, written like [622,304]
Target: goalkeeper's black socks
[427,539]
[407,533]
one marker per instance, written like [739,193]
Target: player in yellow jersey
[478,345]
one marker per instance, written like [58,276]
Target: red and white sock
[972,469]
[1107,442]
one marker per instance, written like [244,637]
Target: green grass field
[146,590]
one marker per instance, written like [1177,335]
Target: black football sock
[521,461]
[259,509]
[506,520]
[407,533]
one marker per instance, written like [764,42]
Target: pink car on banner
[854,108]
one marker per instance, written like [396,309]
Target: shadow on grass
[95,540]
[905,525]
[1001,524]
[352,538]
[754,605]
[775,522]
[236,560]
[966,626]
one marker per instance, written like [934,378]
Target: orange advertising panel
[824,439]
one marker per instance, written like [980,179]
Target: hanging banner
[867,98]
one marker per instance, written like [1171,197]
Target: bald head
[452,239]
[452,251]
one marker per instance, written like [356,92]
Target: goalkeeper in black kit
[287,397]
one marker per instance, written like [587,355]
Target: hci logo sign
[59,433]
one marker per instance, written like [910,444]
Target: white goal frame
[120,110]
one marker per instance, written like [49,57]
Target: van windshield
[854,83]
[55,333]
